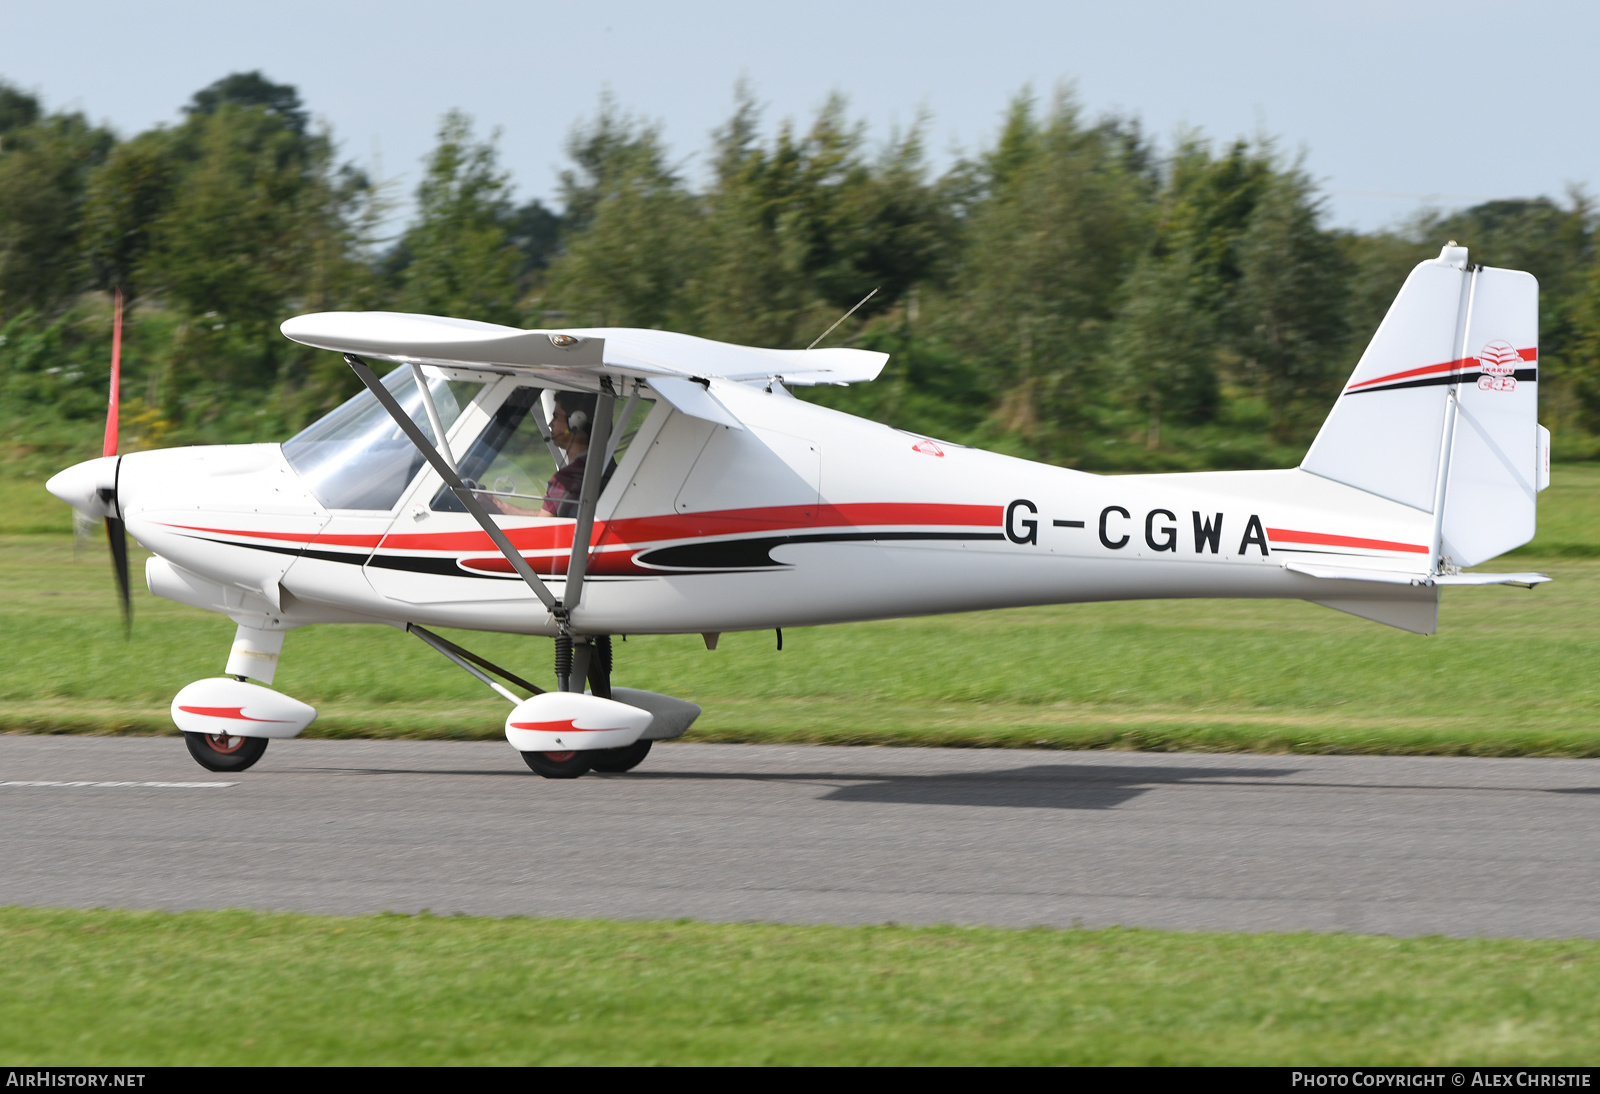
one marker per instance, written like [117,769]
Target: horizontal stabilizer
[1527,581]
[1351,573]
[1400,577]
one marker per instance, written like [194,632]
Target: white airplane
[458,491]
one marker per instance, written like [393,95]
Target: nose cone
[88,487]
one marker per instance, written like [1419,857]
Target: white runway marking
[47,782]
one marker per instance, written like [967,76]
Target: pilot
[570,426]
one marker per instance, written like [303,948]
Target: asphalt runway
[1393,845]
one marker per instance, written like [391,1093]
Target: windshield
[357,458]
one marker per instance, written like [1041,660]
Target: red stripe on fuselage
[307,539]
[555,535]
[1429,370]
[1286,535]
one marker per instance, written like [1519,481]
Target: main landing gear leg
[610,760]
[572,661]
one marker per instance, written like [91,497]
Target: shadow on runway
[1041,786]
[1038,786]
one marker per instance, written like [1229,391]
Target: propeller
[116,530]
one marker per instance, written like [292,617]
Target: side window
[509,460]
[530,459]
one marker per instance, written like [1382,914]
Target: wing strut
[594,474]
[469,500]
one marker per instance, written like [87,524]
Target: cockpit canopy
[357,458]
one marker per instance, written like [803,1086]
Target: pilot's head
[578,408]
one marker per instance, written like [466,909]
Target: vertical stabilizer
[1444,403]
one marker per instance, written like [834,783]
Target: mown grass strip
[740,721]
[235,987]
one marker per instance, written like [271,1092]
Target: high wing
[566,354]
[681,368]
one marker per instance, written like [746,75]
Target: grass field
[127,988]
[1510,673]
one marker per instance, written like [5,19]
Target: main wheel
[617,760]
[559,765]
[220,752]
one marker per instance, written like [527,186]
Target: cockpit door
[435,553]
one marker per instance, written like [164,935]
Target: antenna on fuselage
[845,316]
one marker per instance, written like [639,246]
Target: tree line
[1072,292]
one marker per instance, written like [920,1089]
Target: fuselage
[805,516]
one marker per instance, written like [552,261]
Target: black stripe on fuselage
[720,556]
[754,553]
[325,556]
[1521,375]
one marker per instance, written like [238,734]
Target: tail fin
[1441,413]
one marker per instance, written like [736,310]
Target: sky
[1395,106]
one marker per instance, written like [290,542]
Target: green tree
[1207,208]
[460,259]
[1291,304]
[254,221]
[1583,351]
[635,236]
[228,245]
[45,166]
[1057,221]
[17,108]
[252,89]
[1163,343]
[126,195]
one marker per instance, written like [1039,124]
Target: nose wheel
[223,752]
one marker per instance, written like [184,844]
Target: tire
[215,752]
[617,760]
[559,765]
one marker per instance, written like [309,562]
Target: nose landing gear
[221,752]
[228,720]
[559,765]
